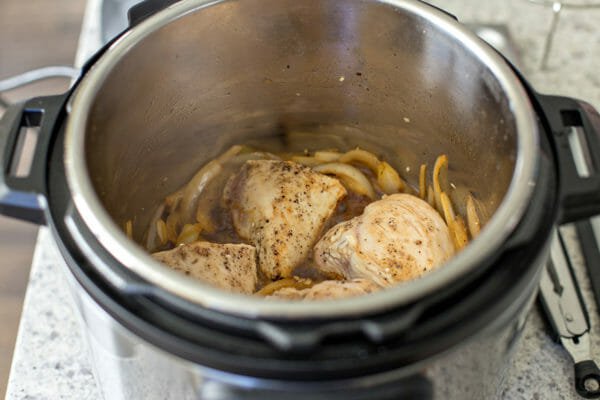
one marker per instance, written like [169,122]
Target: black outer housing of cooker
[314,350]
[234,344]
[237,345]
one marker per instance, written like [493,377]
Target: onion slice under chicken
[473,220]
[189,233]
[285,283]
[350,176]
[306,160]
[388,179]
[161,232]
[459,230]
[194,188]
[456,225]
[327,156]
[363,157]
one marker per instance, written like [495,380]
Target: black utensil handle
[22,196]
[591,255]
[587,379]
[567,117]
[145,9]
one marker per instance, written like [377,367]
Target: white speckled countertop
[51,360]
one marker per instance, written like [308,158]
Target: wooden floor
[33,33]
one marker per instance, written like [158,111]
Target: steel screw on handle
[587,379]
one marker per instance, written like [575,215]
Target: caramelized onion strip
[350,176]
[423,181]
[388,179]
[360,156]
[440,179]
[272,287]
[473,221]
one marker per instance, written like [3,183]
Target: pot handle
[23,176]
[575,128]
[145,9]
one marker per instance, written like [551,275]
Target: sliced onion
[172,201]
[388,179]
[440,179]
[459,231]
[189,234]
[152,240]
[129,229]
[172,227]
[255,155]
[447,209]
[305,160]
[285,283]
[232,151]
[350,176]
[194,188]
[361,156]
[431,196]
[456,225]
[161,232]
[205,220]
[473,220]
[423,181]
[327,156]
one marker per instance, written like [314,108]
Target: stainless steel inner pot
[397,77]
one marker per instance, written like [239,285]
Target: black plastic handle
[587,379]
[145,9]
[22,197]
[591,255]
[580,195]
[303,338]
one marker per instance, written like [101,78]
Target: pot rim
[137,260]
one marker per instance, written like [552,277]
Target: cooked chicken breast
[227,266]
[327,290]
[281,208]
[397,238]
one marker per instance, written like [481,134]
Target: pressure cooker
[188,79]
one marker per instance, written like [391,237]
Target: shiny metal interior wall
[351,72]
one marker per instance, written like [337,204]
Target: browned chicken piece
[327,290]
[281,208]
[397,238]
[231,267]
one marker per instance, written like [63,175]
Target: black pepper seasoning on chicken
[281,208]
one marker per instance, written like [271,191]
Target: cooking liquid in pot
[212,220]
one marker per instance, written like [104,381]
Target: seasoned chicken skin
[281,208]
[327,290]
[397,238]
[227,266]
